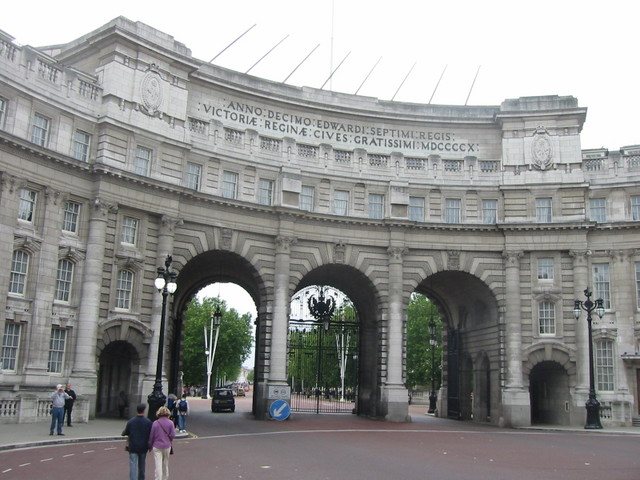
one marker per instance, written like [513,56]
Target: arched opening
[118,376]
[549,394]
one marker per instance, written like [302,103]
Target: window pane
[229,184]
[376,206]
[489,211]
[142,161]
[601,284]
[597,210]
[18,275]
[3,111]
[63,280]
[452,209]
[192,176]
[71,216]
[545,269]
[129,230]
[547,318]
[543,210]
[40,130]
[265,192]
[638,285]
[635,208]
[340,202]
[416,209]
[56,349]
[306,198]
[26,205]
[10,344]
[604,365]
[81,143]
[124,289]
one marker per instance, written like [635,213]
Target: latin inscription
[274,122]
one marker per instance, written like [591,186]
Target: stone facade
[120,148]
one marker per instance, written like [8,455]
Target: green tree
[234,342]
[419,366]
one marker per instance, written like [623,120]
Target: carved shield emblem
[541,151]
[151,92]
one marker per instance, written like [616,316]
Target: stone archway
[549,394]
[117,373]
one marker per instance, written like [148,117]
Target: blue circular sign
[280,410]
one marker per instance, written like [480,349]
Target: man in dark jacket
[68,404]
[138,430]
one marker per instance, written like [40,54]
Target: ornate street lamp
[166,284]
[210,344]
[592,405]
[433,398]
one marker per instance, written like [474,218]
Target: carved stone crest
[151,92]
[541,150]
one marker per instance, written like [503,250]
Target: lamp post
[166,284]
[210,344]
[433,398]
[592,405]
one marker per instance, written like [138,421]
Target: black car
[223,400]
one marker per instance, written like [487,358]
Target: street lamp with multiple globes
[433,398]
[592,405]
[166,284]
[210,344]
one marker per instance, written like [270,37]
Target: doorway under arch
[549,394]
[118,372]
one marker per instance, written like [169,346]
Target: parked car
[222,399]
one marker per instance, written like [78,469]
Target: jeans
[136,465]
[182,422]
[57,415]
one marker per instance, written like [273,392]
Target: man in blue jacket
[138,430]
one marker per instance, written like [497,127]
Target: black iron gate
[454,349]
[323,366]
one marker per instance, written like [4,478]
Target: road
[326,447]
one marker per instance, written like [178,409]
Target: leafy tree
[419,366]
[234,342]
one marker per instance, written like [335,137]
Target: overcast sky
[567,47]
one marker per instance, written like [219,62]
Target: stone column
[515,400]
[395,392]
[84,371]
[580,282]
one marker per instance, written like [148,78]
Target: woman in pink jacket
[162,434]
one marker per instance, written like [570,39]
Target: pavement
[25,435]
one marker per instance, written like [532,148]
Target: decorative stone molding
[151,92]
[170,223]
[283,243]
[102,208]
[453,259]
[27,244]
[73,254]
[226,238]
[541,150]
[512,258]
[339,252]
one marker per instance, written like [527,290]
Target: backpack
[171,404]
[182,406]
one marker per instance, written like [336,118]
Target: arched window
[124,289]
[18,275]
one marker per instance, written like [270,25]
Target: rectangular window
[489,211]
[604,367]
[124,289]
[543,210]
[307,195]
[635,208]
[547,318]
[3,111]
[376,206]
[64,278]
[229,184]
[71,217]
[638,285]
[142,161]
[56,349]
[192,176]
[340,202]
[452,209]
[26,205]
[18,274]
[416,209]
[81,144]
[597,210]
[601,284]
[129,230]
[40,130]
[10,345]
[265,192]
[545,269]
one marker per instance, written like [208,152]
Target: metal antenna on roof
[368,74]
[223,50]
[437,84]
[304,60]
[336,69]
[472,84]
[272,49]
[404,80]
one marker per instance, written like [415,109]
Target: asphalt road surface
[327,447]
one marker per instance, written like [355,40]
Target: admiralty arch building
[120,148]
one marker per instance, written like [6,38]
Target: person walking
[138,429]
[183,411]
[68,403]
[57,409]
[162,434]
